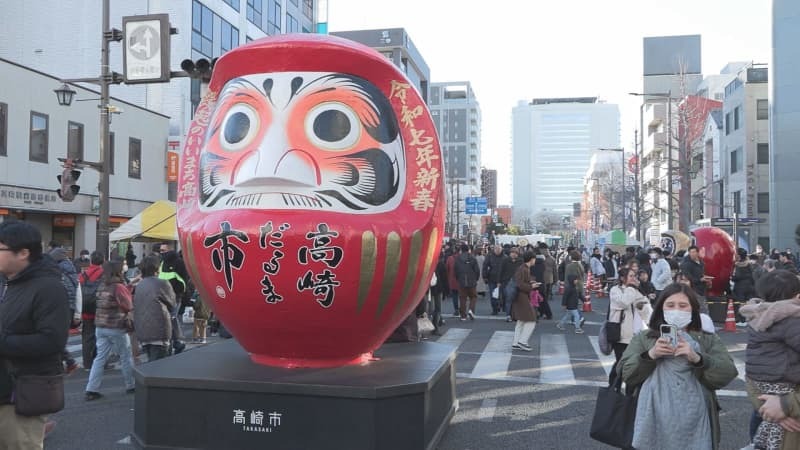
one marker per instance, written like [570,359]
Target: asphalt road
[542,399]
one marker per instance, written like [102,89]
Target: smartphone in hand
[670,332]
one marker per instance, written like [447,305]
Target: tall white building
[552,142]
[456,114]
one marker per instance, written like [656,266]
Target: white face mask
[653,255]
[678,318]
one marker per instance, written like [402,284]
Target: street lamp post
[668,97]
[103,166]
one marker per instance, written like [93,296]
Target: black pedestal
[216,398]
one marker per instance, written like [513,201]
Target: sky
[525,49]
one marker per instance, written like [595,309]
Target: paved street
[542,399]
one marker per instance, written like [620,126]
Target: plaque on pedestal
[215,397]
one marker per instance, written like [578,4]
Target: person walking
[694,269]
[34,319]
[113,305]
[492,272]
[625,299]
[69,279]
[521,310]
[661,273]
[155,302]
[467,272]
[570,302]
[677,407]
[510,267]
[90,281]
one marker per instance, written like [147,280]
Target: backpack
[89,291]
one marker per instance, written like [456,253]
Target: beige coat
[623,304]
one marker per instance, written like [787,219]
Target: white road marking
[125,440]
[555,366]
[487,409]
[496,357]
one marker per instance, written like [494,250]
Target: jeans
[109,339]
[576,318]
[454,298]
[155,352]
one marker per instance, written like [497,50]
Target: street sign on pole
[147,43]
[476,206]
[715,221]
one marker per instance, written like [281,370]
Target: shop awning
[154,223]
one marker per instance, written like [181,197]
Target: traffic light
[67,179]
[200,69]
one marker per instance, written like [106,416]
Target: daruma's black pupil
[237,127]
[331,126]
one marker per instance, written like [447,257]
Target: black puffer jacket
[34,322]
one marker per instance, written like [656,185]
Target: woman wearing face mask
[627,308]
[677,407]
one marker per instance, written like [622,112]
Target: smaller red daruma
[310,206]
[718,253]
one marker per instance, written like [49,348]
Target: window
[39,134]
[763,202]
[737,202]
[3,129]
[762,153]
[737,112]
[230,36]
[736,160]
[202,29]
[110,152]
[274,25]
[255,9]
[233,4]
[727,123]
[291,24]
[74,140]
[134,158]
[762,109]
[308,9]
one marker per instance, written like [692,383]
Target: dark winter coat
[510,267]
[695,271]
[570,298]
[441,287]
[69,278]
[521,308]
[743,281]
[493,267]
[467,271]
[34,322]
[154,301]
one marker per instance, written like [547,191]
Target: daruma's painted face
[311,204]
[302,140]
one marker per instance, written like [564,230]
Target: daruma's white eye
[239,127]
[333,126]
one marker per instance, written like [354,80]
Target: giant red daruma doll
[311,205]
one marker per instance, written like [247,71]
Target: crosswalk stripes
[554,364]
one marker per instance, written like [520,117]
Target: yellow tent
[154,223]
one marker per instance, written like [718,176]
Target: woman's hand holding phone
[661,349]
[684,349]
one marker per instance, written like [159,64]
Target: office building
[784,123]
[552,142]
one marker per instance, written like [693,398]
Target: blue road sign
[476,205]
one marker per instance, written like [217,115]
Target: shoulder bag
[36,395]
[614,415]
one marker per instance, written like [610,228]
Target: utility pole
[105,136]
[637,201]
[670,209]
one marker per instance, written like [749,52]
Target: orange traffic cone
[730,320]
[598,287]
[587,303]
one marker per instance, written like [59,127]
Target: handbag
[36,395]
[614,415]
[602,341]
[128,321]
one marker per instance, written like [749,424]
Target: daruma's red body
[718,254]
[311,206]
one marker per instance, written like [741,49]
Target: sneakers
[471,314]
[463,319]
[523,347]
[578,331]
[92,396]
[559,326]
[583,319]
[508,318]
[130,391]
[516,347]
[456,313]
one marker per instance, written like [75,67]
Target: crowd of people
[119,313]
